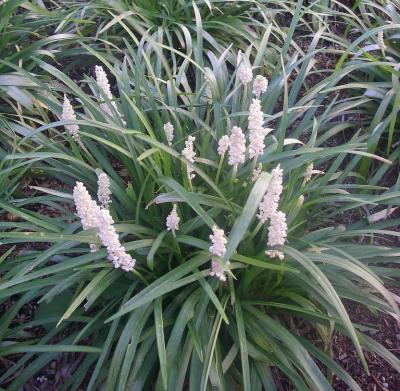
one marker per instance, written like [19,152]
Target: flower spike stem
[254,164]
[140,276]
[189,178]
[221,160]
[255,232]
[233,177]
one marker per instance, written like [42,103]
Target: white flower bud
[245,74]
[218,249]
[169,132]
[309,172]
[381,41]
[103,189]
[109,237]
[260,85]
[277,231]
[237,147]
[275,254]
[223,145]
[189,153]
[68,114]
[172,221]
[104,85]
[257,132]
[218,241]
[86,208]
[269,204]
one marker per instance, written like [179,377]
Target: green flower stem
[255,232]
[140,276]
[233,177]
[221,160]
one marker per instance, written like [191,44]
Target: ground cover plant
[191,218]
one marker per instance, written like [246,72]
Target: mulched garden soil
[382,376]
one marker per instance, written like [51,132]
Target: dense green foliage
[168,325]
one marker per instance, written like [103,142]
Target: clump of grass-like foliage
[166,323]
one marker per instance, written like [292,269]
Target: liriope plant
[198,214]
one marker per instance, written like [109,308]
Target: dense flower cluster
[189,153]
[245,74]
[109,237]
[92,216]
[269,204]
[218,249]
[309,171]
[169,132]
[257,132]
[104,85]
[103,190]
[86,208]
[237,147]
[277,231]
[268,209]
[68,114]
[223,145]
[381,41]
[172,221]
[260,85]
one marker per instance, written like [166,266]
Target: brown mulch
[382,376]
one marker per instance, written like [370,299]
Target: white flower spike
[103,190]
[237,147]
[169,132]
[109,237]
[102,82]
[260,85]
[257,132]
[223,145]
[86,208]
[269,204]
[189,153]
[277,231]
[245,74]
[68,114]
[309,172]
[218,250]
[381,41]
[172,221]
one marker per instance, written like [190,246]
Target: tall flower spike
[68,114]
[207,89]
[237,147]
[103,190]
[223,145]
[260,85]
[189,153]
[218,250]
[277,231]
[169,132]
[86,208]
[257,132]
[109,237]
[381,41]
[102,82]
[245,74]
[269,204]
[309,172]
[172,221]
